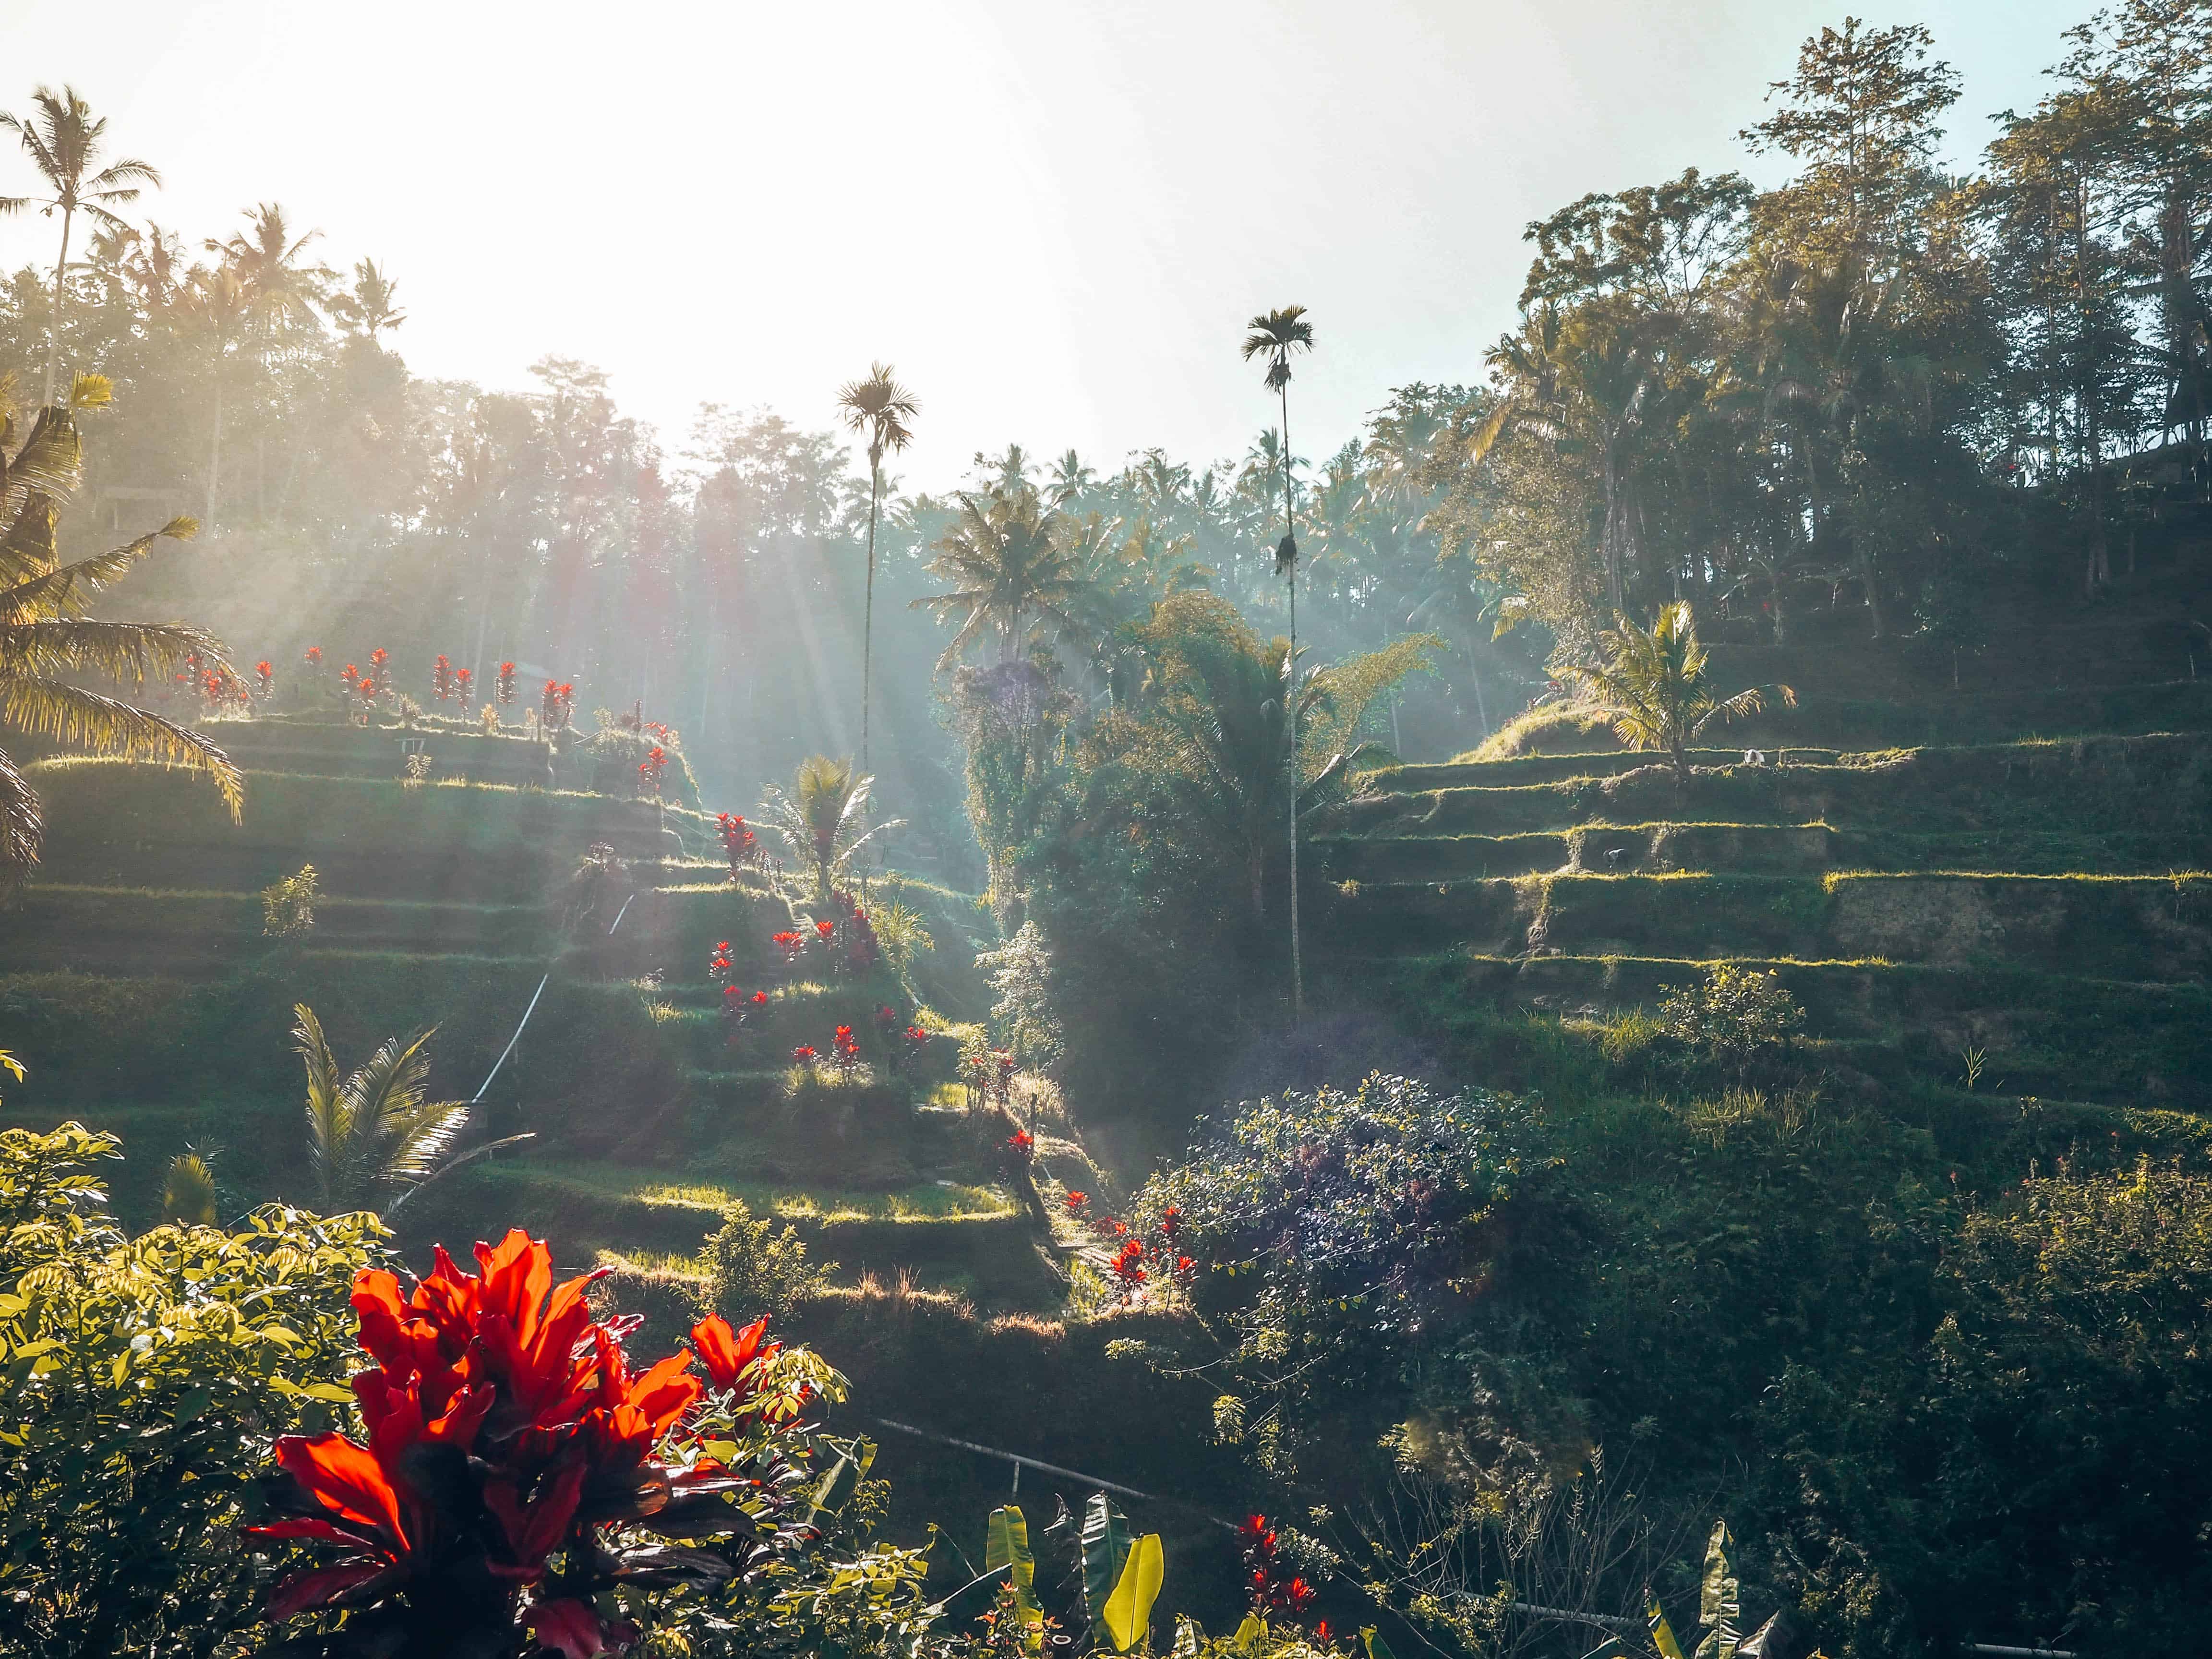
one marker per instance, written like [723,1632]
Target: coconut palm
[1654,685]
[63,138]
[821,820]
[371,305]
[1013,562]
[1273,337]
[378,1131]
[48,643]
[188,1195]
[878,409]
[1071,479]
[217,310]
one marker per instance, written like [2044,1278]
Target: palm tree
[1013,563]
[372,307]
[188,1195]
[1274,337]
[62,140]
[377,1131]
[280,293]
[1071,479]
[47,642]
[216,307]
[878,409]
[1654,685]
[821,820]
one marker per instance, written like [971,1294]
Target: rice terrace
[1512,960]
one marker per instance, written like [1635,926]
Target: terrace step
[2157,927]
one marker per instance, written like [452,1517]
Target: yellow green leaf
[1129,1609]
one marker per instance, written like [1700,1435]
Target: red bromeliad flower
[507,1432]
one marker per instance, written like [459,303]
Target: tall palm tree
[62,140]
[47,642]
[1071,479]
[372,305]
[378,1131]
[281,294]
[820,820]
[1654,684]
[878,409]
[1013,562]
[1273,337]
[217,307]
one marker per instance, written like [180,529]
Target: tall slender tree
[1274,336]
[62,137]
[878,409]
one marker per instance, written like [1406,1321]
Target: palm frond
[85,720]
[329,1111]
[21,825]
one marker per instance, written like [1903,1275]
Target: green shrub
[141,1380]
[753,1268]
[287,907]
[1738,1015]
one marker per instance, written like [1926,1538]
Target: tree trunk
[868,605]
[215,451]
[54,333]
[1290,711]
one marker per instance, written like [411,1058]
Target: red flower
[804,1053]
[1170,1219]
[726,1353]
[825,928]
[1076,1201]
[355,1502]
[760,996]
[314,655]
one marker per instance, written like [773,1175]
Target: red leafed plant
[441,678]
[844,1051]
[739,844]
[520,1480]
[1272,1588]
[264,676]
[790,944]
[505,686]
[314,656]
[649,771]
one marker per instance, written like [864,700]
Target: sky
[1052,218]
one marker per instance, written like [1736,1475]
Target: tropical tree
[1273,337]
[1654,685]
[47,641]
[280,294]
[822,819]
[62,137]
[377,1131]
[878,409]
[1013,562]
[371,305]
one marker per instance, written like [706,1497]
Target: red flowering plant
[464,682]
[1275,1591]
[914,1042]
[520,1488]
[379,667]
[314,656]
[845,1052]
[719,964]
[555,705]
[441,679]
[1021,1144]
[649,771]
[739,844]
[264,677]
[503,688]
[790,944]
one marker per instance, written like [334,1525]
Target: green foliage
[287,907]
[824,819]
[1654,684]
[755,1269]
[1738,1015]
[1105,1542]
[1128,1614]
[377,1131]
[902,933]
[140,1381]
[1025,1016]
[188,1194]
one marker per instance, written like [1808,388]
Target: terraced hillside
[137,984]
[2041,901]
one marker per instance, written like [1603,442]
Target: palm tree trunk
[1290,709]
[868,608]
[215,450]
[54,334]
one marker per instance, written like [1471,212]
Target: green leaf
[1375,1646]
[1007,1545]
[195,1402]
[1249,1631]
[1105,1552]
[336,1393]
[1718,1608]
[1129,1609]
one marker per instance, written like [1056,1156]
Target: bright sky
[1053,218]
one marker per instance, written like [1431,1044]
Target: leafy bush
[1020,971]
[1738,1015]
[756,1269]
[140,1380]
[287,907]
